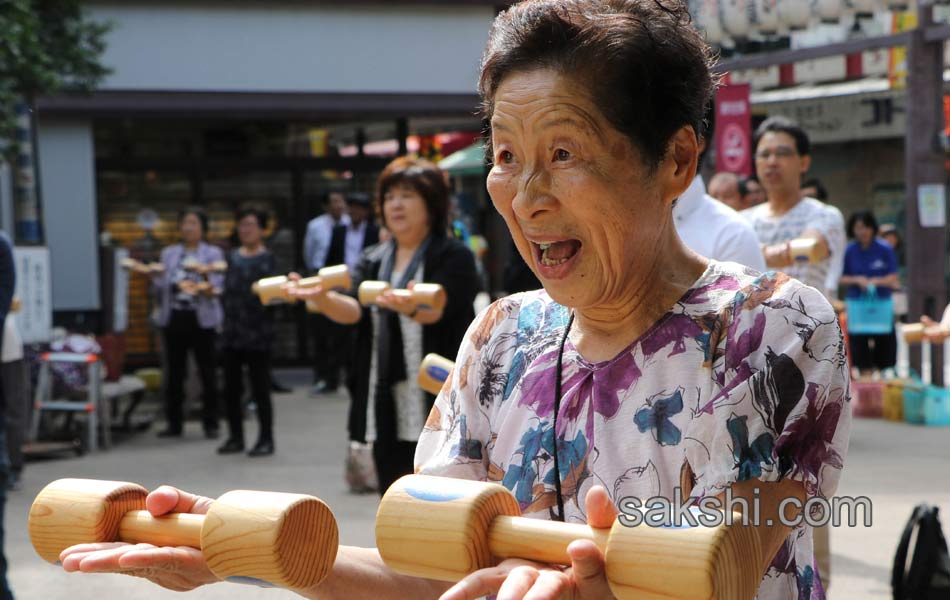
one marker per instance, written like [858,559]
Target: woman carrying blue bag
[870,274]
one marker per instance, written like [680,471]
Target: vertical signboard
[35,318]
[733,128]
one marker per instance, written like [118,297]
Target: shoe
[13,481]
[262,449]
[169,433]
[231,446]
[277,388]
[211,433]
[320,387]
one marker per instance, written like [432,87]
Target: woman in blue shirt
[870,265]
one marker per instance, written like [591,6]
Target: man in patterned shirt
[800,236]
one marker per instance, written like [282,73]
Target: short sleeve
[455,439]
[784,409]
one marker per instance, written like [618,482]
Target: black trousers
[873,351]
[393,459]
[181,335]
[332,343]
[258,369]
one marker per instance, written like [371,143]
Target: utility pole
[924,163]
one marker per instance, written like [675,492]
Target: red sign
[733,129]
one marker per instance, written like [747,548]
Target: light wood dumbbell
[423,295]
[137,266]
[433,371]
[916,333]
[444,529]
[274,289]
[807,250]
[216,266]
[287,540]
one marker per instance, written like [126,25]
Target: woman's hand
[176,568]
[933,331]
[401,303]
[515,579]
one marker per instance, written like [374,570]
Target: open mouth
[552,254]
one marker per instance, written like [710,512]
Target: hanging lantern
[765,16]
[863,8]
[828,11]
[794,14]
[707,20]
[734,15]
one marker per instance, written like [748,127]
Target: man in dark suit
[346,244]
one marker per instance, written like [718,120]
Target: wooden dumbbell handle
[177,529]
[539,540]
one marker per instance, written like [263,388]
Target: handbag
[870,315]
[927,577]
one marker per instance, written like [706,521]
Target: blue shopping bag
[870,315]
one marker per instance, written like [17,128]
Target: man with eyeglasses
[799,235]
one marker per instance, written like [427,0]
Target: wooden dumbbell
[287,540]
[274,289]
[137,266]
[913,332]
[423,295]
[444,529]
[217,266]
[433,371]
[807,250]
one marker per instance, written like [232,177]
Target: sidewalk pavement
[896,465]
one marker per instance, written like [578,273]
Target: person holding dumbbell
[640,370]
[189,315]
[394,332]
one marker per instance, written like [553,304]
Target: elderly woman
[189,315]
[388,408]
[641,368]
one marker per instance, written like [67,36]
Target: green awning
[467,161]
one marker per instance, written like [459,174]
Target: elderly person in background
[189,315]
[750,192]
[641,367]
[725,188]
[248,335]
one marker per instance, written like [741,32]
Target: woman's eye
[561,154]
[505,156]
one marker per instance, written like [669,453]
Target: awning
[467,161]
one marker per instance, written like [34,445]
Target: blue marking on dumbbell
[437,373]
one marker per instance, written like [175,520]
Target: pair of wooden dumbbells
[273,290]
[914,333]
[141,268]
[431,527]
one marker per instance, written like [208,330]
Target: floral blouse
[743,378]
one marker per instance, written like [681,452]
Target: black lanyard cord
[557,408]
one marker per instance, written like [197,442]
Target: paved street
[895,465]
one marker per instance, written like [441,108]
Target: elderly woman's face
[583,209]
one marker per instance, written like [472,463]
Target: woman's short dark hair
[424,177]
[198,212]
[864,216]
[646,66]
[786,126]
[246,211]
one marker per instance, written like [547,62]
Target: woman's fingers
[486,581]
[601,512]
[167,499]
[72,557]
[588,571]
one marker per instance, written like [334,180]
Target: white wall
[70,223]
[293,47]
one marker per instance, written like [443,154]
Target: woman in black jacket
[388,408]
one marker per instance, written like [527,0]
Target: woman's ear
[678,169]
